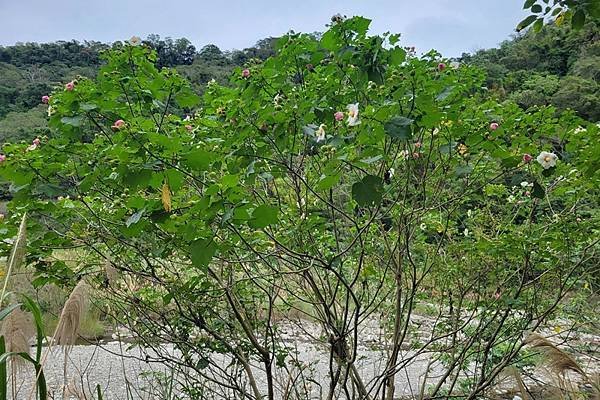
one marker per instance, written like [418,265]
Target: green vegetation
[558,66]
[575,12]
[341,183]
[30,71]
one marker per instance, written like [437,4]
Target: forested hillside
[556,66]
[31,70]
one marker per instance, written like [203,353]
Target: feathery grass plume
[71,315]
[18,330]
[166,197]
[112,274]
[17,254]
[514,371]
[557,359]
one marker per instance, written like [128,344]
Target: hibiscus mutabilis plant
[341,183]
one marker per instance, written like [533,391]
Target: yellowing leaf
[166,197]
[557,329]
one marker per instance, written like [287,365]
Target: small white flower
[212,82]
[277,99]
[510,199]
[353,114]
[547,159]
[392,171]
[320,133]
[50,111]
[579,129]
[423,226]
[405,154]
[526,184]
[454,64]
[466,232]
[135,41]
[469,213]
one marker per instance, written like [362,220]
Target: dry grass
[18,330]
[71,316]
[557,360]
[17,255]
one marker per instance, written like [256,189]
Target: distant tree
[537,91]
[17,126]
[211,52]
[587,68]
[532,67]
[582,95]
[172,52]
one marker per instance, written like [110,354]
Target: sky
[449,26]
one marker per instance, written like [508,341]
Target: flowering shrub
[270,202]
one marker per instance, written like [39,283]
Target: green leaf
[397,56]
[328,182]
[368,191]
[187,98]
[203,363]
[526,22]
[463,170]
[202,252]
[578,19]
[548,172]
[73,121]
[445,93]
[536,8]
[5,311]
[35,310]
[372,160]
[359,24]
[538,191]
[135,218]
[399,127]
[3,375]
[88,106]
[511,161]
[263,216]
[198,159]
[538,24]
[528,4]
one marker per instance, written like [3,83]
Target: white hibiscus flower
[353,114]
[135,41]
[547,159]
[320,133]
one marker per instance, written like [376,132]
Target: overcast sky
[450,26]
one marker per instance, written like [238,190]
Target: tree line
[557,65]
